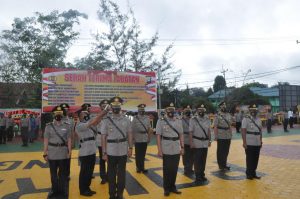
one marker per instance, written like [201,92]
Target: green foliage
[39,41]
[121,48]
[256,84]
[219,83]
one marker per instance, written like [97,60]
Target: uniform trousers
[102,166]
[187,159]
[10,133]
[170,168]
[87,164]
[285,124]
[24,134]
[291,121]
[252,156]
[59,178]
[223,146]
[200,155]
[238,126]
[140,153]
[2,135]
[68,167]
[116,172]
[269,125]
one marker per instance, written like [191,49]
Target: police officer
[102,164]
[57,151]
[252,141]
[24,125]
[169,135]
[269,121]
[285,121]
[2,129]
[9,127]
[86,107]
[87,149]
[65,107]
[141,136]
[223,135]
[187,158]
[116,147]
[200,140]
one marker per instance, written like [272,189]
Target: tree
[8,72]
[40,41]
[256,84]
[121,47]
[209,92]
[219,83]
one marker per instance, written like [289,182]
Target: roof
[266,92]
[220,94]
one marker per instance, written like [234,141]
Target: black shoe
[257,177]
[204,179]
[227,168]
[93,192]
[93,176]
[145,171]
[87,193]
[52,194]
[176,191]
[167,193]
[103,181]
[249,177]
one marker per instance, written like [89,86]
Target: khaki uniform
[87,155]
[170,146]
[223,124]
[58,155]
[188,157]
[140,127]
[253,141]
[117,150]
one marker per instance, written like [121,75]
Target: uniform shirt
[220,122]
[186,129]
[252,140]
[2,121]
[98,137]
[169,147]
[9,122]
[107,128]
[197,131]
[238,117]
[24,122]
[290,114]
[140,134]
[57,152]
[86,147]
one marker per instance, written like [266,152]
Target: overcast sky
[240,35]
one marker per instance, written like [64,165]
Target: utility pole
[246,76]
[159,90]
[224,72]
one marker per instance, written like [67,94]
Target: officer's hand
[46,157]
[159,153]
[129,153]
[182,151]
[69,154]
[104,157]
[216,139]
[209,144]
[148,139]
[245,145]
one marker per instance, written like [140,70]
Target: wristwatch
[45,155]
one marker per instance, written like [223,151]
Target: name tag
[63,129]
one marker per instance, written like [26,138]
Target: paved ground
[24,174]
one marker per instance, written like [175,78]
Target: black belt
[142,132]
[223,128]
[198,138]
[187,133]
[87,139]
[253,133]
[99,133]
[170,138]
[57,144]
[117,140]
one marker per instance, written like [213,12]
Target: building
[289,96]
[219,96]
[271,93]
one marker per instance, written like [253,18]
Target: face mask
[188,113]
[58,117]
[86,117]
[201,114]
[253,113]
[142,112]
[171,114]
[116,110]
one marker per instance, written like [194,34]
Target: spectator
[291,118]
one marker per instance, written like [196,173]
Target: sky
[246,39]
